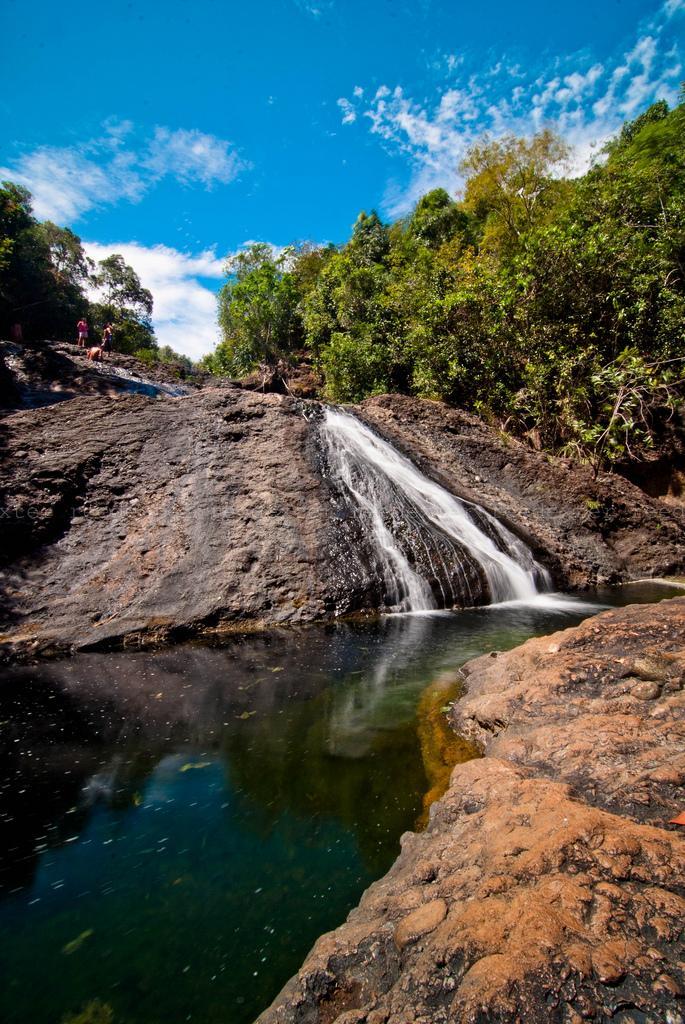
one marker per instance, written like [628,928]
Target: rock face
[585,530]
[549,885]
[158,514]
[165,517]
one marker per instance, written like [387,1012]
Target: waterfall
[429,548]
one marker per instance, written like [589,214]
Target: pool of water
[177,827]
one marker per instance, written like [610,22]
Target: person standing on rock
[107,339]
[82,328]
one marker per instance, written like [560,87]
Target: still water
[178,827]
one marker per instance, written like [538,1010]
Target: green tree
[259,313]
[512,184]
[42,270]
[370,241]
[437,219]
[125,303]
[553,306]
[69,262]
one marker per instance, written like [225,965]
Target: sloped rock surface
[157,515]
[43,373]
[549,886]
[131,517]
[586,531]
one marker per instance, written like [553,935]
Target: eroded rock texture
[549,886]
[163,517]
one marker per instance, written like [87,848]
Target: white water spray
[408,514]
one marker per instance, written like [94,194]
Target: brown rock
[421,921]
[565,894]
[142,518]
[664,983]
[646,691]
[130,518]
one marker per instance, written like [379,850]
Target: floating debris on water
[75,944]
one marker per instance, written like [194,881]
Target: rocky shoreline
[549,884]
[132,517]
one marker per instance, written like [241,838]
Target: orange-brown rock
[600,706]
[548,886]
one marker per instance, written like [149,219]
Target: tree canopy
[553,305]
[258,311]
[47,280]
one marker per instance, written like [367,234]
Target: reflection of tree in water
[55,797]
[318,723]
[40,779]
[284,765]
[60,755]
[348,754]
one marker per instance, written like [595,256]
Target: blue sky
[174,133]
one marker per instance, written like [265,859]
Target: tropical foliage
[47,283]
[554,305]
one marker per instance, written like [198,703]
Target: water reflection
[201,814]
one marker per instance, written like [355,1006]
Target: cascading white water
[396,500]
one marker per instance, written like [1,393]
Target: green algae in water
[174,857]
[93,1012]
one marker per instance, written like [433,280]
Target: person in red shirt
[82,328]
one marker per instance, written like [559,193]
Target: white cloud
[66,182]
[585,101]
[184,313]
[349,114]
[192,156]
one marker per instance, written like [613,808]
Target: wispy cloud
[583,99]
[68,181]
[192,156]
[181,284]
[315,8]
[65,182]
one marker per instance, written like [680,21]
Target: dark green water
[178,827]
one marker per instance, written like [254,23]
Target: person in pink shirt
[82,328]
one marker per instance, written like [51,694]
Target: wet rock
[144,519]
[585,531]
[40,373]
[131,518]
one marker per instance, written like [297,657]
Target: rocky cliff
[585,529]
[158,514]
[549,885]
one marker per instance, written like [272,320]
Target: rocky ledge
[549,885]
[164,518]
[131,512]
